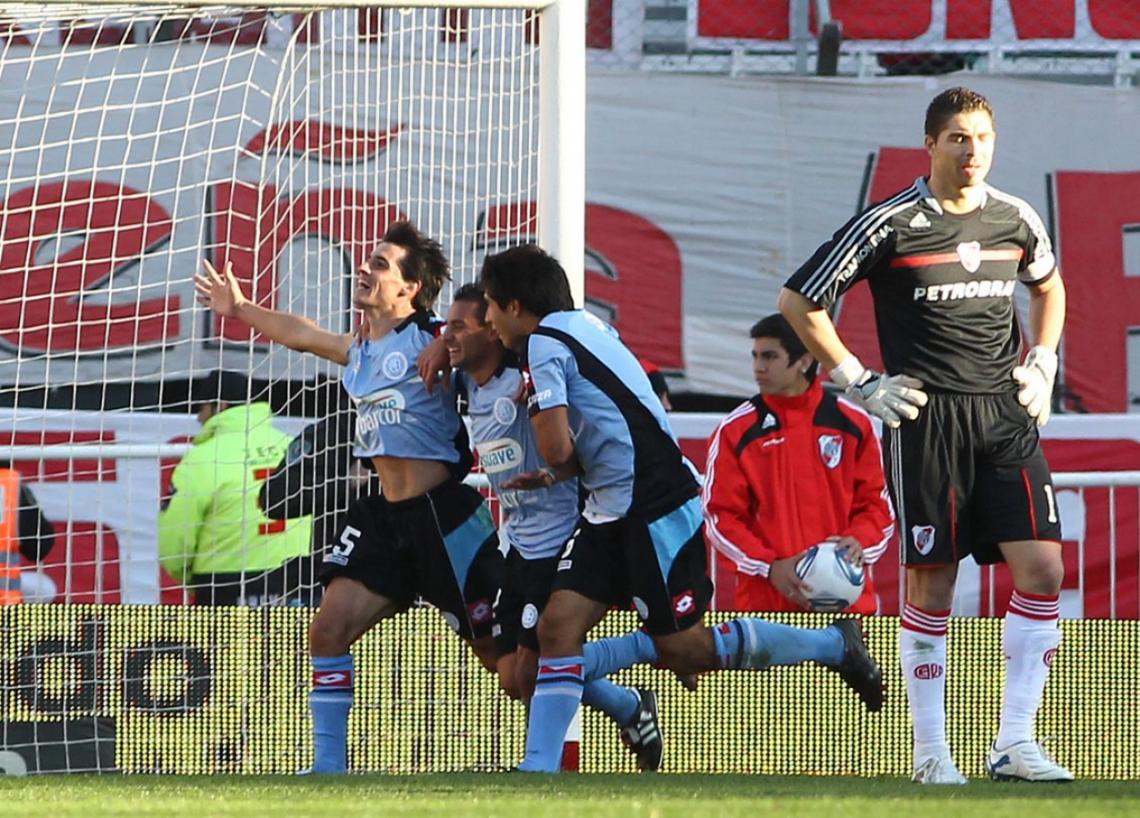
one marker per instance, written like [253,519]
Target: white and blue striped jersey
[395,415]
[631,461]
[538,522]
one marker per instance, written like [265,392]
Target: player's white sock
[1029,640]
[922,649]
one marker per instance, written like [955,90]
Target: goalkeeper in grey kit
[965,465]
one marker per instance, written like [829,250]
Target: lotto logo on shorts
[326,679]
[928,671]
[479,611]
[683,603]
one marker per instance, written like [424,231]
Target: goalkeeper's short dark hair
[950,103]
[529,275]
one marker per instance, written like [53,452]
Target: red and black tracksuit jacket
[784,473]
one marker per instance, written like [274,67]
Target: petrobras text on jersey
[499,455]
[987,288]
[382,408]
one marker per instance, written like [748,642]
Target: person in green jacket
[213,537]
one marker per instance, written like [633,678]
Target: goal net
[136,140]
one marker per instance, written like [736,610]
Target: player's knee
[328,635]
[557,635]
[1043,576]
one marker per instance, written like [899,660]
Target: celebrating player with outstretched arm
[965,463]
[427,534]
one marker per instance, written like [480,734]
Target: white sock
[1029,640]
[922,649]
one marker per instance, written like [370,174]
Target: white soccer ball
[834,582]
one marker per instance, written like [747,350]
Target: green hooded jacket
[211,523]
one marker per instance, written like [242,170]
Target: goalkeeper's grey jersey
[942,283]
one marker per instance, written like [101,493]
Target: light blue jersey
[630,457]
[395,415]
[538,522]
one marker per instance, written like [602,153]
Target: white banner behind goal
[123,164]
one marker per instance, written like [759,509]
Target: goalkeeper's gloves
[1035,377]
[892,398]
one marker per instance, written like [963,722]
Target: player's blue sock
[757,644]
[619,703]
[557,693]
[607,656]
[330,700]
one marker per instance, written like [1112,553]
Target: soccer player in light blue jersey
[639,539]
[538,523]
[427,534]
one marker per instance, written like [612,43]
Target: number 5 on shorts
[347,542]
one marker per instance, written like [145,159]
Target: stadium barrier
[162,689]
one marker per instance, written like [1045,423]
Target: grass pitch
[565,796]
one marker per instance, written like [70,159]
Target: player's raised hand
[1035,379]
[219,291]
[893,398]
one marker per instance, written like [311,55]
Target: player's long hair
[423,262]
[529,275]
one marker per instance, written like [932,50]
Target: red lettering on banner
[633,273]
[321,140]
[895,169]
[100,32]
[882,19]
[252,228]
[634,276]
[746,19]
[1093,209]
[1115,19]
[968,19]
[10,34]
[1044,19]
[600,24]
[912,19]
[92,231]
[62,470]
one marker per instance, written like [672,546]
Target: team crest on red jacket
[970,254]
[923,538]
[830,450]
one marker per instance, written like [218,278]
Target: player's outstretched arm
[221,292]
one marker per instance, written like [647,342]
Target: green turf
[567,796]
